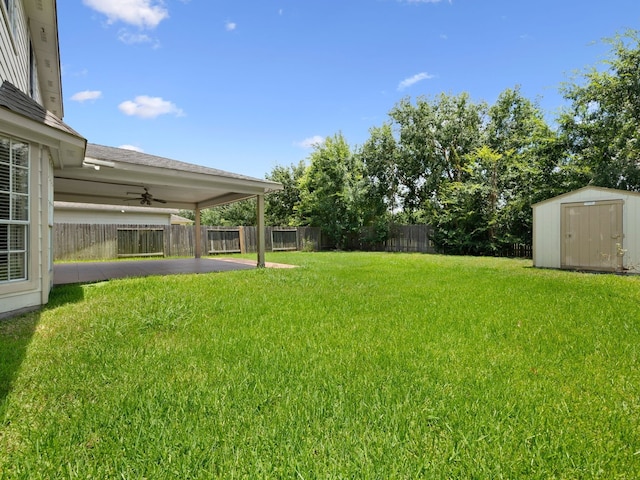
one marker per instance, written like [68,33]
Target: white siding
[546,224]
[112,218]
[14,49]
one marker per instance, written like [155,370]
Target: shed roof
[612,191]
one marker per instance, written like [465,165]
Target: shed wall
[111,218]
[547,225]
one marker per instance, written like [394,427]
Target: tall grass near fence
[355,365]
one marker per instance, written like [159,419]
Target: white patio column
[197,234]
[260,231]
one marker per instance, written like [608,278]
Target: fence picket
[96,242]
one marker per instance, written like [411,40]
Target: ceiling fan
[145,198]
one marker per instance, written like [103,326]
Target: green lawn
[355,365]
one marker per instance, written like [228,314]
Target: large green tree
[280,206]
[434,138]
[601,123]
[519,163]
[333,191]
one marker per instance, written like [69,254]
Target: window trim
[9,16]
[26,223]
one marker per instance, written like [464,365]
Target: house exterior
[42,159]
[32,138]
[592,229]
[96,214]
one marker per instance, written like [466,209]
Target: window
[10,9]
[14,209]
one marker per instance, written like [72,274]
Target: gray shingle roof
[18,102]
[101,152]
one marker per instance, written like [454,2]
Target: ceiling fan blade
[159,200]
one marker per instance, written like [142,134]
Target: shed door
[591,235]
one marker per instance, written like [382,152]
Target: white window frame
[9,7]
[14,222]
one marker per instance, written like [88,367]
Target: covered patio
[91,272]
[115,176]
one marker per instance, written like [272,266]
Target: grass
[355,365]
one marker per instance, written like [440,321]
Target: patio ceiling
[114,176]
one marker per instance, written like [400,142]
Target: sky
[247,85]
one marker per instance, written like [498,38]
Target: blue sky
[245,85]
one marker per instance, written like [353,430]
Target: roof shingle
[18,102]
[101,152]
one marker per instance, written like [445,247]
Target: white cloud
[131,147]
[149,107]
[141,13]
[230,26]
[407,82]
[132,38]
[86,95]
[311,142]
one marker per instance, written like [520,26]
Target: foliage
[333,191]
[434,138]
[470,169]
[379,156]
[241,213]
[353,366]
[280,206]
[601,123]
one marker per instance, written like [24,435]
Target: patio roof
[115,176]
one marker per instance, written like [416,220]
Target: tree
[280,206]
[434,138]
[332,191]
[233,214]
[528,163]
[601,124]
[519,163]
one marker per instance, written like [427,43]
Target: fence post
[243,248]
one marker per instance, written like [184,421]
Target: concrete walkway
[87,272]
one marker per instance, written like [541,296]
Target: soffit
[43,25]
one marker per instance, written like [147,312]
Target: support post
[198,235]
[260,232]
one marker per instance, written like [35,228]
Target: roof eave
[43,26]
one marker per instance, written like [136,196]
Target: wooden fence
[98,242]
[400,238]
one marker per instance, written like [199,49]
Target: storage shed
[593,229]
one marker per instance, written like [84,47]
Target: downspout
[45,223]
[260,231]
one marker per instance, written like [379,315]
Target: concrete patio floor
[88,272]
